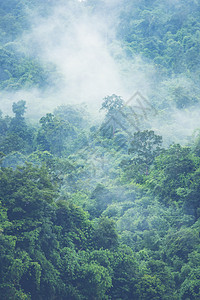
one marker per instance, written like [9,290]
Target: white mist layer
[176,126]
[92,65]
[79,44]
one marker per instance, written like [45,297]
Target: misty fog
[91,63]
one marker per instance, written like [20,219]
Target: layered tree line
[101,211]
[88,213]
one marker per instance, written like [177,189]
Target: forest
[100,203]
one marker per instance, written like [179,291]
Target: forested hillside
[101,204]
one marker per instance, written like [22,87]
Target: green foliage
[150,287]
[19,108]
[139,241]
[125,274]
[18,71]
[163,32]
[95,281]
[93,214]
[52,135]
[142,151]
[112,103]
[105,235]
[16,134]
[102,197]
[174,177]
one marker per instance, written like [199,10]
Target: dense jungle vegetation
[102,211]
